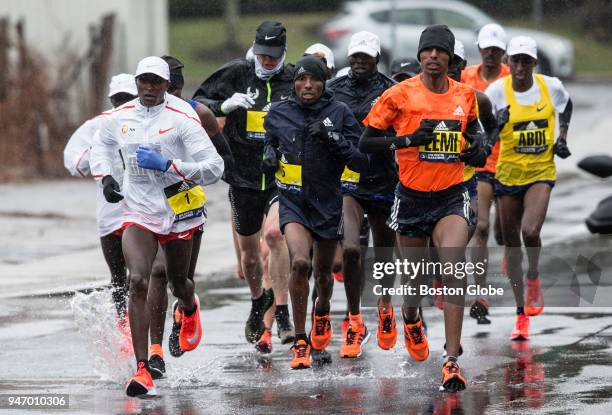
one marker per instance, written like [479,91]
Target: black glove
[111,189]
[269,164]
[503,115]
[423,135]
[478,151]
[318,130]
[560,148]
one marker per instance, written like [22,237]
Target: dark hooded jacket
[243,128]
[381,177]
[313,199]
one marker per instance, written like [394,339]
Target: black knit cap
[311,64]
[437,36]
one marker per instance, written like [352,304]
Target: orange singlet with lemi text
[436,166]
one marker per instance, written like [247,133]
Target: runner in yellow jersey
[526,170]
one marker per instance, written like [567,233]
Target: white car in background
[556,54]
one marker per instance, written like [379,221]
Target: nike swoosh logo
[404,64]
[194,339]
[538,109]
[165,131]
[183,235]
[270,37]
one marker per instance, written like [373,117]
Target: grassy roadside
[197,42]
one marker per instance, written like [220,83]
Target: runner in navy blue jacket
[309,140]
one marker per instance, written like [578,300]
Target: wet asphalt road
[68,344]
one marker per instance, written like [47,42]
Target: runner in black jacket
[371,193]
[309,140]
[242,91]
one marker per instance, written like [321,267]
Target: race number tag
[255,125]
[446,145]
[529,137]
[289,173]
[186,200]
[349,179]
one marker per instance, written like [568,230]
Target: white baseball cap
[459,49]
[124,82]
[319,49]
[154,65]
[364,42]
[522,45]
[492,35]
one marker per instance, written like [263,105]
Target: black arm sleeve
[566,115]
[221,85]
[374,140]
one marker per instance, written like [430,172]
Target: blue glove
[147,158]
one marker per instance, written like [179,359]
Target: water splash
[96,320]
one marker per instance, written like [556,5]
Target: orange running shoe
[191,329]
[452,381]
[415,340]
[264,344]
[356,336]
[534,304]
[321,333]
[521,328]
[386,335]
[338,276]
[438,299]
[301,355]
[141,384]
[345,325]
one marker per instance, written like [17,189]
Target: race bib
[446,145]
[289,173]
[529,137]
[255,125]
[349,179]
[186,200]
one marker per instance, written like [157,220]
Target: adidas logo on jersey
[327,122]
[459,111]
[441,126]
[531,126]
[184,186]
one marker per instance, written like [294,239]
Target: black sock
[520,310]
[146,363]
[451,359]
[281,311]
[320,310]
[301,336]
[532,277]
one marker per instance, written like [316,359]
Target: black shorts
[375,206]
[517,191]
[416,214]
[485,176]
[249,208]
[472,187]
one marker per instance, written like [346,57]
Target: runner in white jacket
[109,217]
[168,157]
